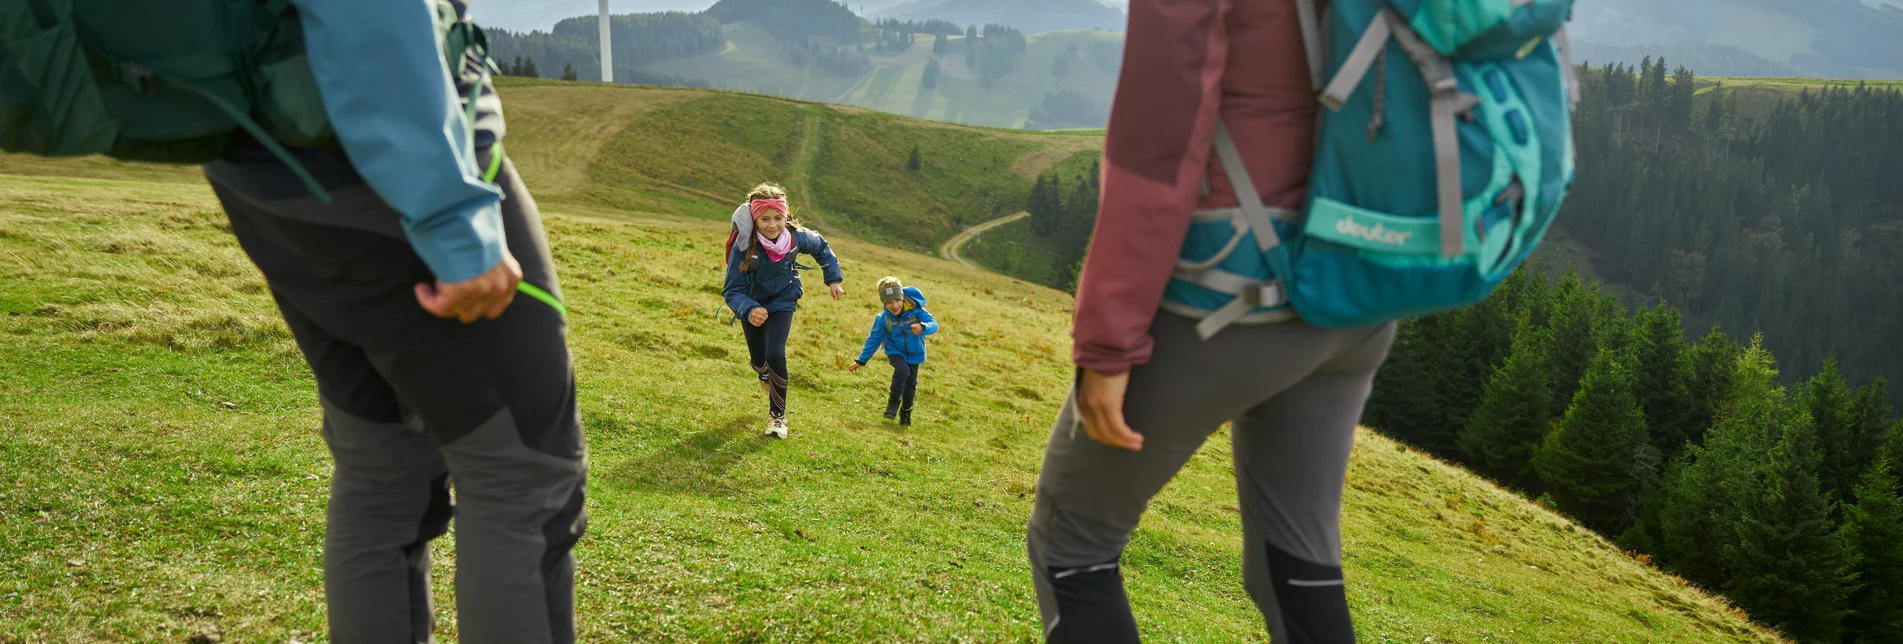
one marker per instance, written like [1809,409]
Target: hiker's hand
[757,316]
[1100,402]
[484,296]
[917,328]
[838,289]
[853,368]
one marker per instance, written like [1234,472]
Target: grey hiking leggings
[414,406]
[1295,393]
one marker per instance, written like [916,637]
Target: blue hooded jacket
[895,332]
[775,286]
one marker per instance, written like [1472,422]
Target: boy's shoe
[891,409]
[905,418]
[776,428]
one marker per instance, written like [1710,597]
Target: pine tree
[1873,531]
[1043,220]
[1080,217]
[1792,570]
[527,68]
[940,45]
[1514,415]
[1661,357]
[930,80]
[1570,321]
[1868,422]
[1703,490]
[568,72]
[1827,399]
[912,164]
[1587,462]
[1714,362]
[1404,404]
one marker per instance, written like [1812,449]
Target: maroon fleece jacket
[1184,62]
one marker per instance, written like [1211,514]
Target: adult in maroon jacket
[1149,391]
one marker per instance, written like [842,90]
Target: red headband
[760,206]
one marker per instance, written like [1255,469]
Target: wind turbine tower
[607,49]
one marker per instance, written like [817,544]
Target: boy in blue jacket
[901,329]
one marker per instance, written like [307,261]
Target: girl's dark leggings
[766,345]
[904,380]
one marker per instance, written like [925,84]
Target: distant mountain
[1833,38]
[1706,60]
[1028,16]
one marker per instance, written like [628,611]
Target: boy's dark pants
[904,382]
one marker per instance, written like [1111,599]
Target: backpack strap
[1251,217]
[1566,60]
[1313,40]
[1447,102]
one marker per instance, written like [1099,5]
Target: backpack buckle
[1268,294]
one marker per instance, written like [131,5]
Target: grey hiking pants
[1294,392]
[415,405]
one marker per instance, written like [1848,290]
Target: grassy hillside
[162,477]
[1756,96]
[696,152]
[755,61]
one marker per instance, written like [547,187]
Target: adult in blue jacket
[400,295]
[763,288]
[900,329]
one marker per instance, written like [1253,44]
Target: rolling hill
[1830,38]
[755,62]
[819,50]
[696,152]
[162,476]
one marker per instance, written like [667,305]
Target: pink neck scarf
[777,249]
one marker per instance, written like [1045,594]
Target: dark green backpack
[170,81]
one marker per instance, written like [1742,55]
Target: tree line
[639,39]
[931,26]
[1786,218]
[1067,220]
[844,61]
[993,53]
[1784,499]
[1065,108]
[814,18]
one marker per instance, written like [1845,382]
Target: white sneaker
[776,428]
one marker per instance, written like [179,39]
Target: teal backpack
[1442,156]
[171,81]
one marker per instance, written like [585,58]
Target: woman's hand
[838,289]
[758,316]
[1100,402]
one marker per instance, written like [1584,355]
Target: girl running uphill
[901,329]
[763,289]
